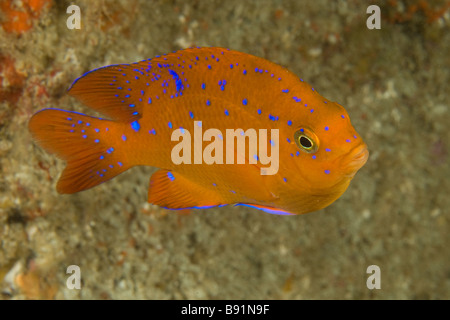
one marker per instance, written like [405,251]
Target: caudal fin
[86,143]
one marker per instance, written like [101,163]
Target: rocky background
[394,82]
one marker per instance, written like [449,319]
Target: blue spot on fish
[178,82]
[135,125]
[273,118]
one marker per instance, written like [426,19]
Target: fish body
[173,112]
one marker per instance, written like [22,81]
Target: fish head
[330,154]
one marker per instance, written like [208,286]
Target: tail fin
[86,143]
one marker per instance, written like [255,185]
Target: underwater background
[394,83]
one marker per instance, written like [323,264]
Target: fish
[184,113]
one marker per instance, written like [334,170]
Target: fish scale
[145,102]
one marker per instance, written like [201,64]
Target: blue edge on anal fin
[268,210]
[265,209]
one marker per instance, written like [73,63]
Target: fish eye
[305,141]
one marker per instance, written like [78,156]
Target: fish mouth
[358,158]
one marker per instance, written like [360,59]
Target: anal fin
[173,191]
[267,209]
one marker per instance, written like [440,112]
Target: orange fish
[208,118]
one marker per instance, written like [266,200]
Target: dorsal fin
[123,91]
[117,91]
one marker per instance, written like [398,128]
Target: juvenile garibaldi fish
[224,127]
